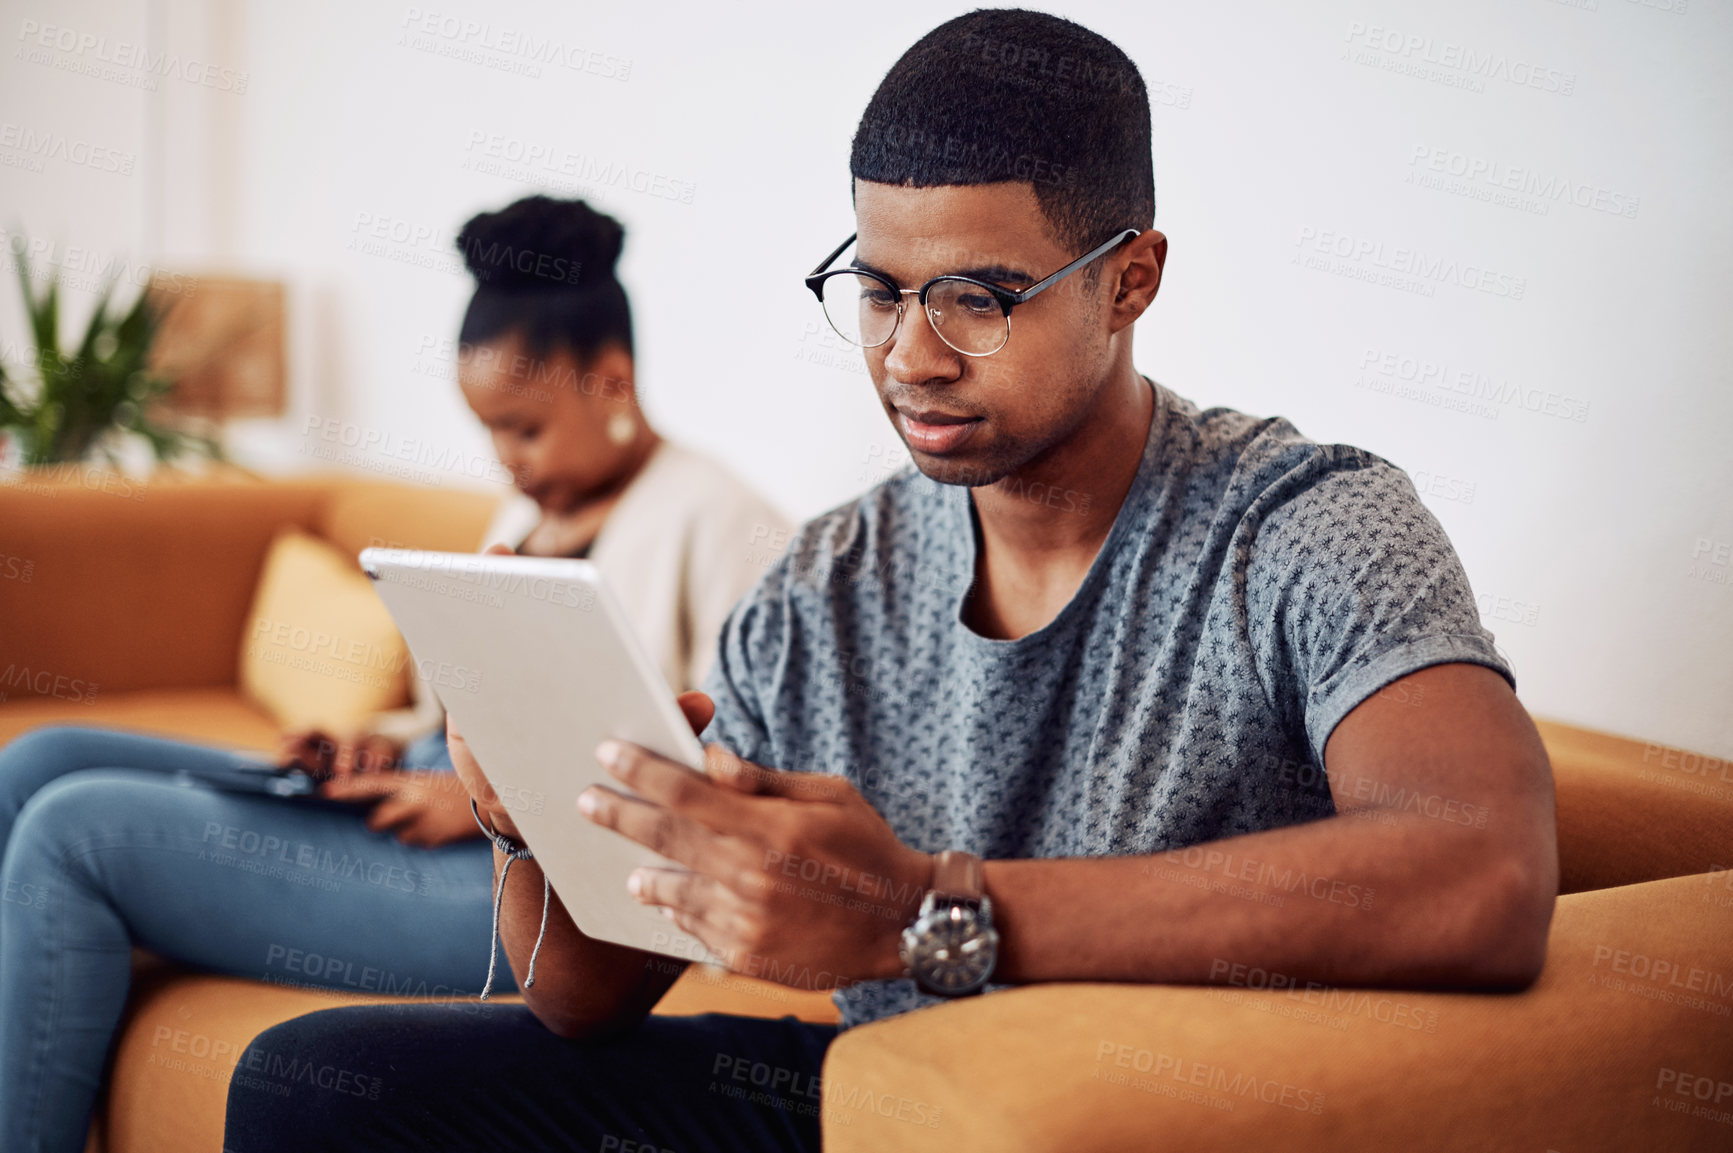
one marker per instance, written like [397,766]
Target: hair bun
[541,243]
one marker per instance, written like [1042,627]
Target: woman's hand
[325,756]
[423,807]
[563,534]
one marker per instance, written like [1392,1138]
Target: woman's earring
[622,427]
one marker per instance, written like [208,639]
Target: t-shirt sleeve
[1351,584]
[739,682]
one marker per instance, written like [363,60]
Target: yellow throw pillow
[319,649]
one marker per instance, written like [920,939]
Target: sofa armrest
[1590,1058]
[1630,811]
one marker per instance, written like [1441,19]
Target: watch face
[951,953]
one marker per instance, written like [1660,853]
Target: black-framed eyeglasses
[970,315]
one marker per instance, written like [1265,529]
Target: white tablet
[535,660]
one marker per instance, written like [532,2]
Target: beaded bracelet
[513,852]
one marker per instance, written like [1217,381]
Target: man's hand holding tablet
[791,877]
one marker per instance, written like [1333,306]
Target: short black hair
[545,268]
[1006,94]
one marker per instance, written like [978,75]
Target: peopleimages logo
[109,59]
[1401,51]
[529,160]
[503,46]
[329,438]
[88,270]
[1485,178]
[1116,1063]
[1471,384]
[474,577]
[46,683]
[37,147]
[1363,257]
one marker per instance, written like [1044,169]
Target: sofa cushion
[319,650]
[219,716]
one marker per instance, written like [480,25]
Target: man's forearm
[1399,899]
[583,985]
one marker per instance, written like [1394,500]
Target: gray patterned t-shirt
[1254,588]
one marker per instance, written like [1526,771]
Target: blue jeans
[474,1078]
[105,850]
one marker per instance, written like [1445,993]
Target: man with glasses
[977,726]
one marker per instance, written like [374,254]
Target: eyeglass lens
[863,310]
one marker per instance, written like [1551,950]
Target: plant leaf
[98,319]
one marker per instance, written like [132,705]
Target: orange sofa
[1624,1043]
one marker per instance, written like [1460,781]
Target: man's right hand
[324,756]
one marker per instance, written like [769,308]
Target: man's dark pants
[467,1077]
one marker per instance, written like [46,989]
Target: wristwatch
[952,946]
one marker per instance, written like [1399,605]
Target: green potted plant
[72,406]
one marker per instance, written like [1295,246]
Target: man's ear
[1140,279]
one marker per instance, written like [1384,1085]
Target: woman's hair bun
[541,243]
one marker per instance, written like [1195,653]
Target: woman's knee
[85,808]
[33,758]
[42,853]
[49,740]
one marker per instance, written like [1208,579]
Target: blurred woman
[388,891]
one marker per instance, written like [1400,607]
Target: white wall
[1586,479]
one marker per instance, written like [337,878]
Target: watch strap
[958,874]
